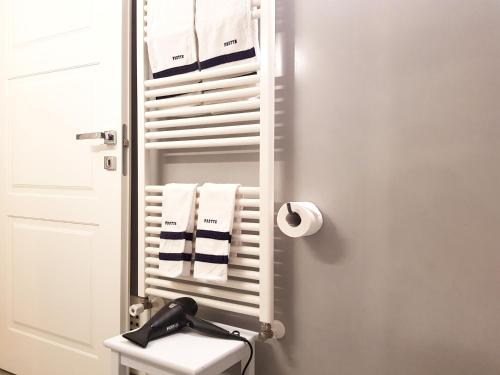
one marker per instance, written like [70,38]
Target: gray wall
[391,125]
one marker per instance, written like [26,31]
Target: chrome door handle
[109,136]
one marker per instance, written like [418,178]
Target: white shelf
[185,352]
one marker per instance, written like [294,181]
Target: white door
[63,217]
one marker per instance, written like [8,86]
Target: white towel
[213,232]
[176,238]
[226,32]
[171,37]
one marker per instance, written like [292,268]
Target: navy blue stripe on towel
[177,70]
[176,256]
[176,236]
[230,57]
[214,235]
[215,259]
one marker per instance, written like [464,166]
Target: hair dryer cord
[211,329]
[237,336]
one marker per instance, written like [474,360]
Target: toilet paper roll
[311,219]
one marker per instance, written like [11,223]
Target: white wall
[393,129]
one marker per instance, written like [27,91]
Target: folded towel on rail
[226,32]
[171,37]
[213,232]
[177,226]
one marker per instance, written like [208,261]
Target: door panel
[60,17]
[63,218]
[37,279]
[54,99]
[52,35]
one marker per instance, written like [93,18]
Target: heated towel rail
[226,107]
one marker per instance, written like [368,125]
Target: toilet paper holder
[299,219]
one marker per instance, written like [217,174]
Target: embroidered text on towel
[234,41]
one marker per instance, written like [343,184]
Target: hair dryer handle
[207,328]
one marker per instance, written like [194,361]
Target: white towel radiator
[240,112]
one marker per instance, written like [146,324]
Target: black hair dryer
[173,317]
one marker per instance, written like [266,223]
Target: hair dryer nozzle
[139,336]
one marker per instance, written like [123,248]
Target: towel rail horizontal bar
[244,262]
[235,261]
[202,75]
[243,238]
[249,215]
[152,240]
[238,249]
[228,306]
[233,272]
[230,283]
[203,98]
[204,290]
[238,296]
[245,250]
[255,16]
[204,143]
[244,105]
[210,85]
[238,215]
[255,3]
[236,226]
[253,227]
[205,120]
[204,132]
[241,202]
[244,190]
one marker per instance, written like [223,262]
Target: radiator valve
[138,308]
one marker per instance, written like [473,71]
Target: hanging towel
[176,237]
[213,232]
[171,37]
[226,32]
